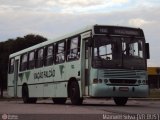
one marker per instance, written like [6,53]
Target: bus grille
[123,81]
[121,76]
[126,74]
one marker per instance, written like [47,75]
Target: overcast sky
[53,18]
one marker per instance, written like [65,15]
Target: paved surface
[95,109]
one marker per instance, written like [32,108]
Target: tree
[11,46]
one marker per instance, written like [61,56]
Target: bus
[99,61]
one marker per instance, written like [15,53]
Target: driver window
[133,49]
[140,49]
[136,49]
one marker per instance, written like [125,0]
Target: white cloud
[138,22]
[80,2]
[83,3]
[72,6]
[120,1]
[53,18]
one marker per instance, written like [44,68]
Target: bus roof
[48,42]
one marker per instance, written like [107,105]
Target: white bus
[99,61]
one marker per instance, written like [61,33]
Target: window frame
[39,62]
[129,48]
[24,65]
[11,67]
[48,57]
[31,61]
[56,51]
[76,55]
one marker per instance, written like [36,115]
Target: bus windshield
[118,52]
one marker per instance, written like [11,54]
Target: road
[91,109]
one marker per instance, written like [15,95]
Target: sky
[54,18]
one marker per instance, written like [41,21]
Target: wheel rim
[73,91]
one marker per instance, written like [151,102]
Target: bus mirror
[147,50]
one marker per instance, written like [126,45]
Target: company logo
[9,117]
[4,117]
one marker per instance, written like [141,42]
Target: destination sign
[101,30]
[126,32]
[113,30]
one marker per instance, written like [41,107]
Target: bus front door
[85,67]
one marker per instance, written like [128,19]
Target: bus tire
[25,95]
[59,100]
[120,101]
[74,93]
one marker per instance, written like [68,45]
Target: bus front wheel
[74,93]
[120,101]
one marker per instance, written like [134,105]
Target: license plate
[123,89]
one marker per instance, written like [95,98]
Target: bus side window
[31,63]
[60,52]
[73,49]
[24,60]
[11,66]
[49,53]
[39,57]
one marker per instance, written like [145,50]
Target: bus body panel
[10,91]
[50,81]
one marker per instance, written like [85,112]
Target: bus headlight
[106,81]
[144,82]
[100,80]
[95,81]
[139,82]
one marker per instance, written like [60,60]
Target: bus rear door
[15,77]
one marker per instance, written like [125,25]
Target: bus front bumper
[103,90]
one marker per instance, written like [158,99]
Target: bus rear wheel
[120,101]
[25,96]
[59,100]
[74,93]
